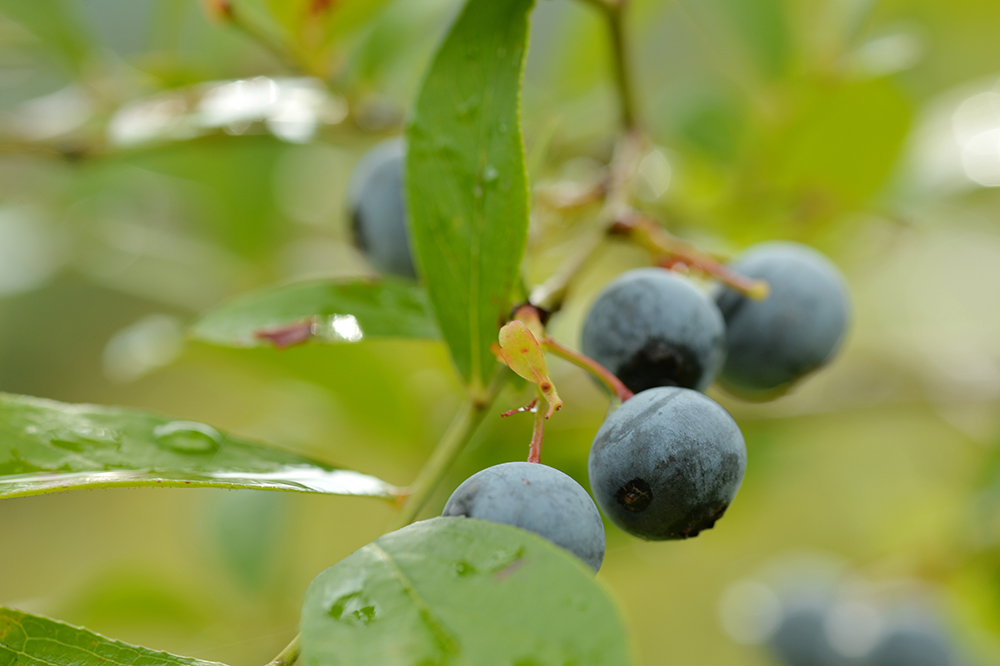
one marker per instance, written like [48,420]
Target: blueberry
[912,641]
[773,343]
[537,498]
[801,637]
[667,463]
[653,328]
[378,209]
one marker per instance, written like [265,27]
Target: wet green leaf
[341,312]
[30,640]
[466,182]
[48,446]
[461,591]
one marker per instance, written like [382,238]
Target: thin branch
[549,295]
[537,431]
[605,376]
[668,251]
[452,443]
[614,13]
[289,655]
[286,53]
[623,77]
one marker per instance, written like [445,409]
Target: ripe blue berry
[378,209]
[537,498]
[667,463]
[801,637]
[912,641]
[771,344]
[653,328]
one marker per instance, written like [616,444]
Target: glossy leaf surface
[340,312]
[31,640]
[460,591]
[48,446]
[466,184]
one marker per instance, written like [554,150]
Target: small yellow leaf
[521,351]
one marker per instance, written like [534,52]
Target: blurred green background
[140,186]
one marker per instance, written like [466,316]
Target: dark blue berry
[771,344]
[537,498]
[667,463]
[651,328]
[378,209]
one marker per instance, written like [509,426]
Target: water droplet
[31,430]
[503,558]
[188,437]
[468,109]
[446,149]
[490,174]
[338,328]
[312,479]
[503,128]
[354,608]
[84,439]
[464,569]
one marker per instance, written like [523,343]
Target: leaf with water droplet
[469,211]
[48,446]
[332,311]
[32,640]
[461,591]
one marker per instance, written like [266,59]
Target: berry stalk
[605,376]
[670,251]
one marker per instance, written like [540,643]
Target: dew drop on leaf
[464,569]
[188,437]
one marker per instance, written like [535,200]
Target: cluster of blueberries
[669,461]
[851,623]
[906,635]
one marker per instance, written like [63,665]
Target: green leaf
[30,640]
[466,183]
[382,309]
[460,591]
[48,446]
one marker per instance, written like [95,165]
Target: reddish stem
[527,408]
[535,448]
[606,377]
[670,251]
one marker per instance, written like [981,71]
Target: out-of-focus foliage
[156,162]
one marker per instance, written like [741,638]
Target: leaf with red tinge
[522,353]
[325,310]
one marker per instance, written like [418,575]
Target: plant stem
[614,12]
[606,377]
[549,295]
[286,53]
[535,448]
[462,427]
[623,77]
[287,656]
[669,250]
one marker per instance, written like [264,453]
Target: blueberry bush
[556,321]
